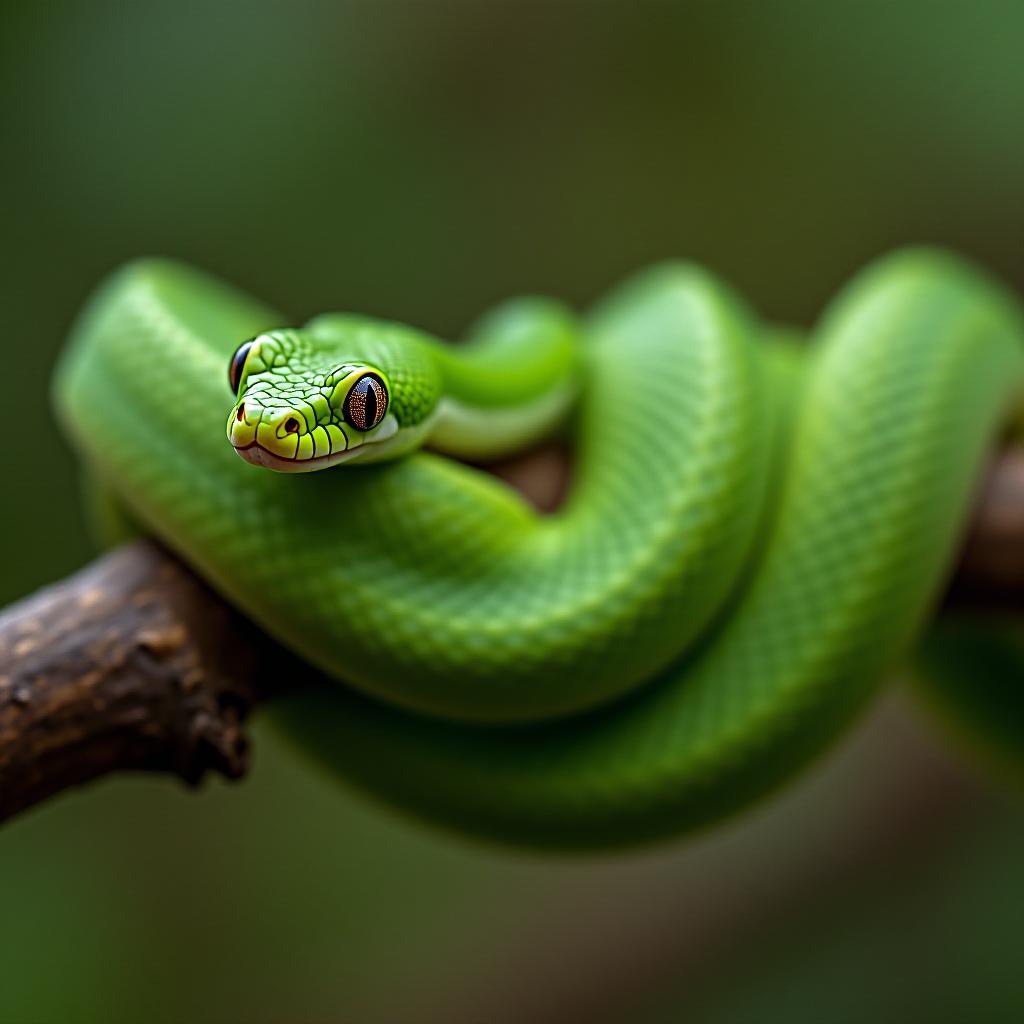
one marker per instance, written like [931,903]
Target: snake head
[296,413]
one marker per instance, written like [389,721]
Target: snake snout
[242,424]
[285,425]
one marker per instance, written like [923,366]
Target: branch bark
[134,664]
[130,664]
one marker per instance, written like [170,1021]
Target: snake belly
[754,535]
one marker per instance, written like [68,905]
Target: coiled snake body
[755,530]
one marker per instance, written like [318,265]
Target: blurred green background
[421,160]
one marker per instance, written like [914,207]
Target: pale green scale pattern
[743,554]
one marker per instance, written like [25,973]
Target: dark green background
[421,160]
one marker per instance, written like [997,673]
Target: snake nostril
[291,425]
[241,412]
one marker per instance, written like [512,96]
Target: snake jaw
[256,455]
[384,441]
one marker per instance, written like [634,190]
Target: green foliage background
[421,160]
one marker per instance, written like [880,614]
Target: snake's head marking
[296,412]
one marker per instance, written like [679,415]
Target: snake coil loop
[756,531]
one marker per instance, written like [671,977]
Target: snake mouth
[256,455]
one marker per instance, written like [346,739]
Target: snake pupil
[366,403]
[291,425]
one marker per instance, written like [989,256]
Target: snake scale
[755,532]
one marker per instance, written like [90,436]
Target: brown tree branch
[130,664]
[134,664]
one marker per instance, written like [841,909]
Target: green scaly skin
[755,531]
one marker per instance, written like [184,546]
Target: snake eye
[238,364]
[366,402]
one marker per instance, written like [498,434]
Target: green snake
[755,532]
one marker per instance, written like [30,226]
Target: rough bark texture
[134,664]
[130,664]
